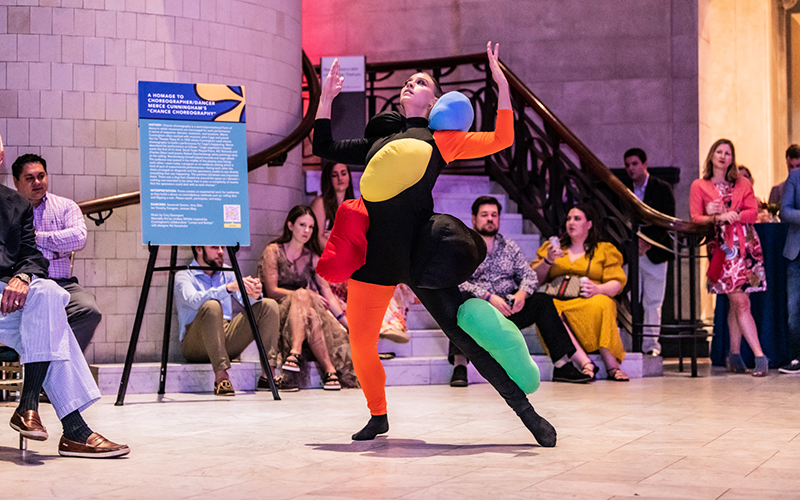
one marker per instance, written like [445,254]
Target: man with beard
[506,281]
[209,331]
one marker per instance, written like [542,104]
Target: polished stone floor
[717,436]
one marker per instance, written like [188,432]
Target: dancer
[405,241]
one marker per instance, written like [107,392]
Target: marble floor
[717,436]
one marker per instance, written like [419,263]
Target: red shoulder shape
[346,250]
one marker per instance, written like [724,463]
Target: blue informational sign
[194,164]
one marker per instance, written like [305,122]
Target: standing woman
[403,159]
[308,310]
[726,199]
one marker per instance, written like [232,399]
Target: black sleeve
[348,151]
[29,259]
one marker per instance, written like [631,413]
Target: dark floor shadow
[417,448]
[23,458]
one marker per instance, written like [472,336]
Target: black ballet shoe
[378,424]
[541,429]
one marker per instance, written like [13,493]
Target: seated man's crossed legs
[53,360]
[211,338]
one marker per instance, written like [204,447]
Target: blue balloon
[452,111]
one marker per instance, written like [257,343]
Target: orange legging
[366,306]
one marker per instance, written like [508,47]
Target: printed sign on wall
[193,164]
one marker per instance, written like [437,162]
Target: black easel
[137,324]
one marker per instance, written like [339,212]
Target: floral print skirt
[742,271]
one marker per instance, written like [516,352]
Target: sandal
[762,366]
[590,370]
[330,382]
[735,364]
[617,375]
[293,362]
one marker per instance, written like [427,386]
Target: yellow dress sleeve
[612,263]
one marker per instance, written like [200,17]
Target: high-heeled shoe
[762,367]
[735,363]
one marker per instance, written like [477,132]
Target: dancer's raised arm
[503,94]
[330,89]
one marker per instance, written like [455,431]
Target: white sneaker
[792,368]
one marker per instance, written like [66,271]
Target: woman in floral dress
[726,199]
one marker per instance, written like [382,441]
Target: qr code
[233,213]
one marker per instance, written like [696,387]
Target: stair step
[192,378]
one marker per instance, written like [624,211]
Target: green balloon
[502,339]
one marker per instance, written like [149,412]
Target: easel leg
[137,326]
[173,260]
[253,326]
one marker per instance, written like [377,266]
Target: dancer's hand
[330,89]
[503,94]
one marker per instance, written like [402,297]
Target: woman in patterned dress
[726,199]
[309,312]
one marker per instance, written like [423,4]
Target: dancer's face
[418,92]
[213,256]
[487,221]
[302,229]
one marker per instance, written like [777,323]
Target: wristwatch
[24,277]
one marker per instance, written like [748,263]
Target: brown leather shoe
[95,447]
[29,425]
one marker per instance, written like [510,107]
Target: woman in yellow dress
[592,317]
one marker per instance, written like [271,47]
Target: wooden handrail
[254,161]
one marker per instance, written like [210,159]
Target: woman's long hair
[595,235]
[708,166]
[329,201]
[296,212]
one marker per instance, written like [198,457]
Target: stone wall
[68,79]
[619,73]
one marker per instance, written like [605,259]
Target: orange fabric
[366,306]
[346,250]
[457,145]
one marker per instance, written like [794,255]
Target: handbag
[564,287]
[715,266]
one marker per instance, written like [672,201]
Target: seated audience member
[790,213]
[34,323]
[792,162]
[209,331]
[336,187]
[592,317]
[507,282]
[60,230]
[308,310]
[653,260]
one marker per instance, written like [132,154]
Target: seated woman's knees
[302,295]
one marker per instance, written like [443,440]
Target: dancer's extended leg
[443,305]
[366,305]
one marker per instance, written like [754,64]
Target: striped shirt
[60,229]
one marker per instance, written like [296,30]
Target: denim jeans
[793,306]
